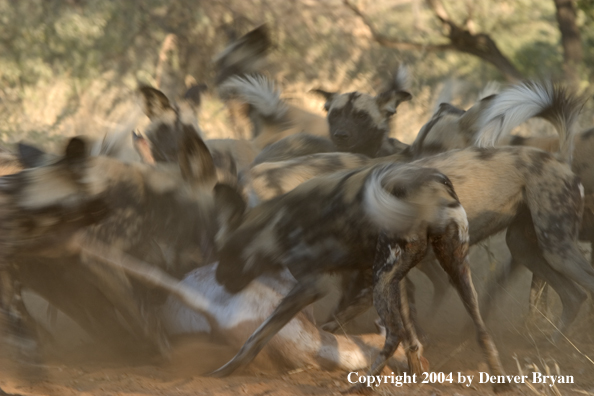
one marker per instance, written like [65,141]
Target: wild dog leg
[497,285]
[392,263]
[429,267]
[304,293]
[357,296]
[451,249]
[522,243]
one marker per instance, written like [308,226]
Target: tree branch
[570,38]
[389,42]
[480,45]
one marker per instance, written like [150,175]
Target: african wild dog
[294,146]
[275,123]
[245,55]
[271,117]
[331,224]
[490,121]
[163,216]
[231,157]
[233,317]
[359,122]
[240,70]
[230,317]
[526,190]
[9,163]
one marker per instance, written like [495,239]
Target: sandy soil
[84,370]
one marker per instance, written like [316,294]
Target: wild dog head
[140,209]
[359,122]
[169,123]
[243,56]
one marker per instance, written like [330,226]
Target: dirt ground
[451,347]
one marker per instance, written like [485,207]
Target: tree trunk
[570,39]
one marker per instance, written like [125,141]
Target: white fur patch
[339,101]
[258,91]
[458,215]
[368,104]
[385,210]
[511,108]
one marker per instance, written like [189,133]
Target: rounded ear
[154,102]
[258,38]
[329,96]
[143,148]
[75,157]
[76,150]
[30,156]
[195,160]
[194,94]
[388,101]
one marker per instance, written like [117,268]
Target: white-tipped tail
[384,209]
[521,102]
[257,90]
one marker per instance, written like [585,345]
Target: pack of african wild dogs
[143,236]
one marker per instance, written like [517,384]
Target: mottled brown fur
[295,231]
[162,216]
[359,123]
[246,56]
[494,185]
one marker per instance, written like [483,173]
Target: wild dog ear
[195,160]
[388,101]
[194,94]
[30,156]
[75,156]
[245,55]
[189,107]
[143,148]
[257,39]
[329,96]
[470,121]
[154,102]
[230,208]
[394,91]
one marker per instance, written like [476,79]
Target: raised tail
[259,92]
[383,208]
[399,198]
[521,102]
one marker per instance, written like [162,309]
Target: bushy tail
[259,92]
[521,102]
[389,212]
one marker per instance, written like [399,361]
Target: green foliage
[63,59]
